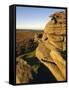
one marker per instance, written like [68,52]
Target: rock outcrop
[56,31]
[52,44]
[23,71]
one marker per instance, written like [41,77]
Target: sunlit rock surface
[53,44]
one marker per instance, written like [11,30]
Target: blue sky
[33,18]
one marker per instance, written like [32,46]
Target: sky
[33,18]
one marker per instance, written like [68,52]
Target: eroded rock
[54,40]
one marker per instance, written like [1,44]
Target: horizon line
[27,29]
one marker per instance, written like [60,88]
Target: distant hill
[25,40]
[23,34]
[32,30]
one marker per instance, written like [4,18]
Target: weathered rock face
[55,30]
[23,71]
[52,44]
